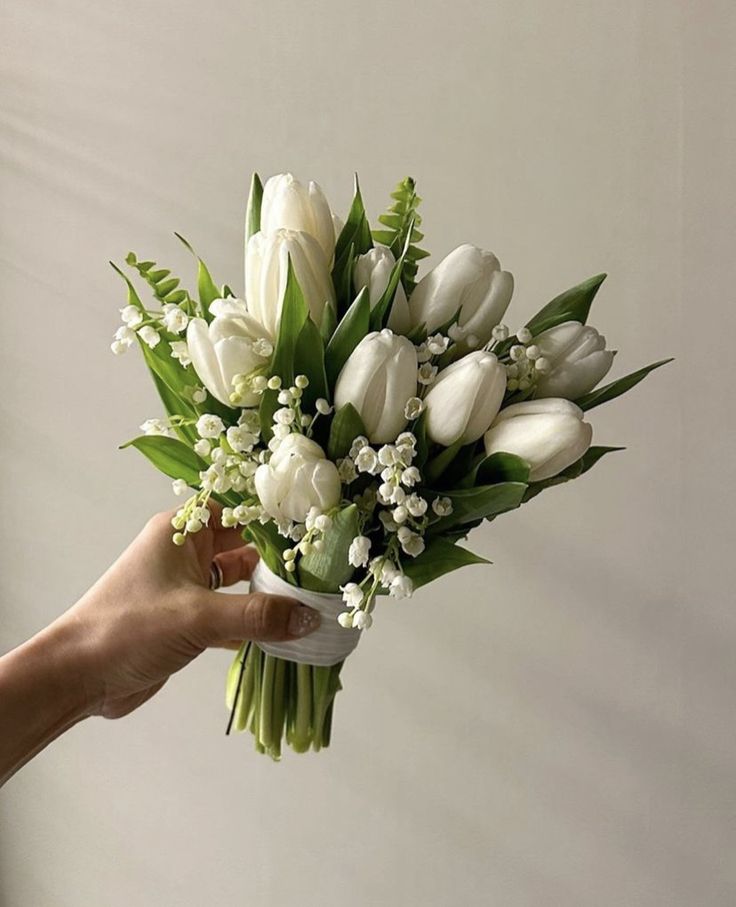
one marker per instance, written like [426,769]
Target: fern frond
[403,216]
[164,287]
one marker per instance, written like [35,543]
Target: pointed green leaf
[327,570]
[618,387]
[581,466]
[470,504]
[345,428]
[253,209]
[439,463]
[352,328]
[572,305]
[309,360]
[206,287]
[172,457]
[499,467]
[439,557]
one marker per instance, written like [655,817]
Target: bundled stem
[276,699]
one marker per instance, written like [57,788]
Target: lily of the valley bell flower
[289,204]
[379,378]
[296,478]
[232,344]
[465,398]
[549,434]
[470,282]
[373,270]
[577,357]
[267,268]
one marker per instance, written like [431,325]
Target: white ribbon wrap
[329,644]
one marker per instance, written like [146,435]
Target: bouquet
[354,423]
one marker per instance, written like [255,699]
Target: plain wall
[556,729]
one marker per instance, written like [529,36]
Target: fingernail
[303,620]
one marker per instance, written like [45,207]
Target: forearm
[43,692]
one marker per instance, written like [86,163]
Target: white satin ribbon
[329,644]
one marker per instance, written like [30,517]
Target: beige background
[554,730]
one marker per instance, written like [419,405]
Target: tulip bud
[378,379]
[465,398]
[549,434]
[469,282]
[232,344]
[373,270]
[297,478]
[288,204]
[267,269]
[577,359]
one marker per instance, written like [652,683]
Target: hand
[149,615]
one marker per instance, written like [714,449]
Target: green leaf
[439,557]
[572,305]
[618,387]
[309,360]
[345,428]
[133,297]
[164,290]
[578,468]
[253,209]
[354,239]
[176,405]
[329,323]
[173,458]
[352,328]
[271,547]
[382,310]
[499,467]
[439,463]
[470,504]
[327,570]
[206,287]
[420,433]
[403,221]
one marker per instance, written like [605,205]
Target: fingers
[256,616]
[237,564]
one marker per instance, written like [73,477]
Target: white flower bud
[577,360]
[373,270]
[287,203]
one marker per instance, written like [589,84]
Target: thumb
[257,616]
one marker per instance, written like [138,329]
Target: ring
[216,577]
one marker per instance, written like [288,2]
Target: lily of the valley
[465,398]
[378,379]
[297,478]
[232,344]
[577,359]
[289,204]
[549,434]
[468,282]
[267,258]
[373,270]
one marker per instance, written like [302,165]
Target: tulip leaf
[309,360]
[382,310]
[352,328]
[498,467]
[328,324]
[253,209]
[271,547]
[354,239]
[439,463]
[345,428]
[171,456]
[439,557]
[572,305]
[618,387]
[419,430]
[470,504]
[327,570]
[586,462]
[206,287]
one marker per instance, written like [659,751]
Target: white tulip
[232,344]
[577,357]
[470,282]
[378,379]
[297,478]
[373,270]
[549,434]
[267,268]
[465,398]
[287,203]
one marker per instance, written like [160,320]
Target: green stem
[303,717]
[265,725]
[278,706]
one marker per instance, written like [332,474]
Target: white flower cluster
[148,326]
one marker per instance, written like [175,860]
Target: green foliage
[309,360]
[164,287]
[572,305]
[172,457]
[271,547]
[206,288]
[470,504]
[402,222]
[498,467]
[439,557]
[441,461]
[617,387]
[354,239]
[382,310]
[327,570]
[350,331]
[586,462]
[345,428]
[253,210]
